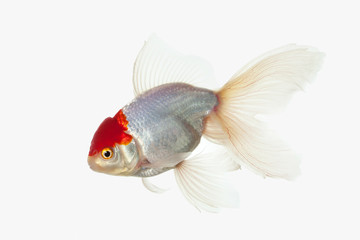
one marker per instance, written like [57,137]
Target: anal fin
[202,181]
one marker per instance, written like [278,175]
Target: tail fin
[262,87]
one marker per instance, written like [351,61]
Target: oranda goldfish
[162,126]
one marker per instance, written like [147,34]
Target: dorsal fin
[157,64]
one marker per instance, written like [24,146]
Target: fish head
[113,151]
[118,160]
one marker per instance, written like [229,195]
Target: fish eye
[107,153]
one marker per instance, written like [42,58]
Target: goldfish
[173,109]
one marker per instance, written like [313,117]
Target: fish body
[168,121]
[171,112]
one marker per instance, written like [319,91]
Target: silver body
[167,123]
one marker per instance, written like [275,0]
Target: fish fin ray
[202,181]
[152,187]
[266,84]
[158,64]
[262,87]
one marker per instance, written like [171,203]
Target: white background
[66,65]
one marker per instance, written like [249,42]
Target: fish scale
[169,119]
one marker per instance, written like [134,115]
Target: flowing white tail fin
[262,87]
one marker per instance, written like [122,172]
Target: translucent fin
[262,87]
[157,64]
[266,84]
[151,187]
[202,181]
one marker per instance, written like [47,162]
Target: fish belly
[167,121]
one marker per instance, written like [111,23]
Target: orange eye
[107,153]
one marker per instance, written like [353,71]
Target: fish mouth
[93,165]
[97,165]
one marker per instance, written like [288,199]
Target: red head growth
[110,132]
